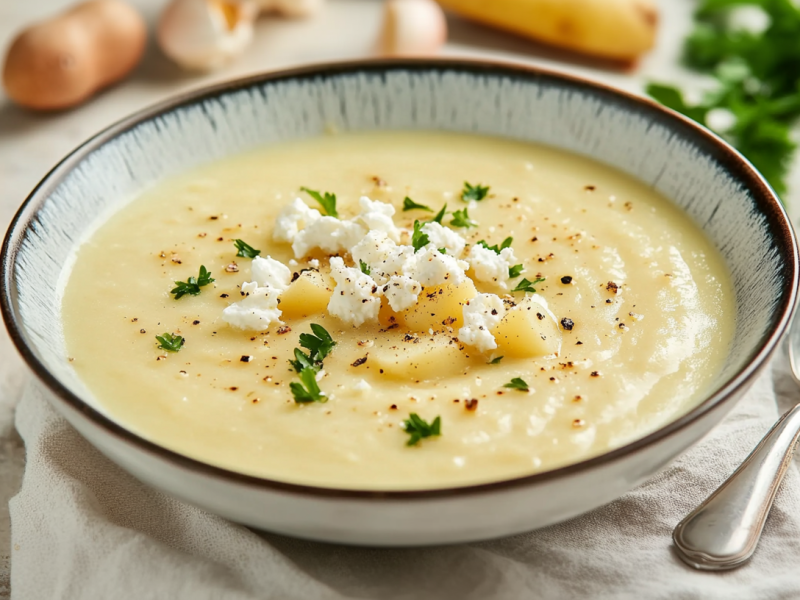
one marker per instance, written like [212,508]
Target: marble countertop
[30,143]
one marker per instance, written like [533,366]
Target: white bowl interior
[665,153]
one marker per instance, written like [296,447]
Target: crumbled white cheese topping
[481,315]
[270,272]
[361,386]
[431,267]
[442,237]
[329,234]
[401,292]
[491,267]
[258,309]
[292,219]
[382,256]
[355,298]
[377,216]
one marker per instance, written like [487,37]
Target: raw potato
[616,29]
[61,62]
[307,295]
[526,331]
[439,307]
[419,358]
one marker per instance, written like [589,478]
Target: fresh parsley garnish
[308,390]
[515,271]
[517,384]
[757,81]
[496,361]
[409,204]
[506,244]
[474,192]
[192,285]
[303,361]
[461,219]
[440,215]
[419,239]
[443,250]
[319,345]
[418,428]
[327,201]
[169,342]
[244,249]
[364,267]
[527,286]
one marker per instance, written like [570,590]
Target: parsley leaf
[319,345]
[474,192]
[169,342]
[461,219]
[192,285]
[244,249]
[418,428]
[440,215]
[517,384]
[496,361]
[419,239]
[443,250]
[506,244]
[527,286]
[303,361]
[308,390]
[327,201]
[515,271]
[364,267]
[409,204]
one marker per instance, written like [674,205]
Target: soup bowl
[719,190]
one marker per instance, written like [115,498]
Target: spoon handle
[722,533]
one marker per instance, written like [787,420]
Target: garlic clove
[206,34]
[291,8]
[412,27]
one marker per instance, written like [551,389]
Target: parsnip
[616,29]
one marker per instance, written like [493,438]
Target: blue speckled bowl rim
[777,221]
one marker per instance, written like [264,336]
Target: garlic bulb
[206,34]
[291,8]
[412,27]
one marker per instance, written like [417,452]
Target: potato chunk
[411,358]
[528,330]
[440,306]
[307,295]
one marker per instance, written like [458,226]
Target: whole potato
[63,61]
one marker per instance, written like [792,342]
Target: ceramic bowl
[697,171]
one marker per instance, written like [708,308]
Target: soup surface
[638,305]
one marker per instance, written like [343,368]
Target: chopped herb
[443,250]
[419,239]
[308,391]
[192,285]
[303,361]
[515,271]
[506,244]
[474,192]
[326,201]
[319,345]
[496,361]
[417,428]
[169,342]
[461,219]
[244,249]
[517,384]
[440,215]
[409,204]
[364,267]
[527,286]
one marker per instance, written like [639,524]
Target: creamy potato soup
[398,310]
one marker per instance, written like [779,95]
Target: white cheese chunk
[329,234]
[361,386]
[356,297]
[268,272]
[431,267]
[384,258]
[401,292]
[377,216]
[491,267]
[442,237]
[292,219]
[481,314]
[257,311]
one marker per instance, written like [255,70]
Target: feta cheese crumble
[491,267]
[401,292]
[442,237]
[270,272]
[258,309]
[329,234]
[481,315]
[294,217]
[355,298]
[431,267]
[377,216]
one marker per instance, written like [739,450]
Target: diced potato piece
[440,306]
[307,295]
[527,330]
[387,317]
[412,358]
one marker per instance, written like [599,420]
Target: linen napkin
[83,528]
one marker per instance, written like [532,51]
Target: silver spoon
[722,533]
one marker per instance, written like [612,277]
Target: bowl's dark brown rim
[730,159]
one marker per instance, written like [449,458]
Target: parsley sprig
[419,239]
[440,215]
[364,267]
[461,219]
[496,361]
[318,346]
[308,390]
[192,285]
[474,192]
[527,286]
[515,271]
[757,81]
[505,244]
[244,249]
[418,428]
[327,201]
[170,342]
[409,204]
[517,384]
